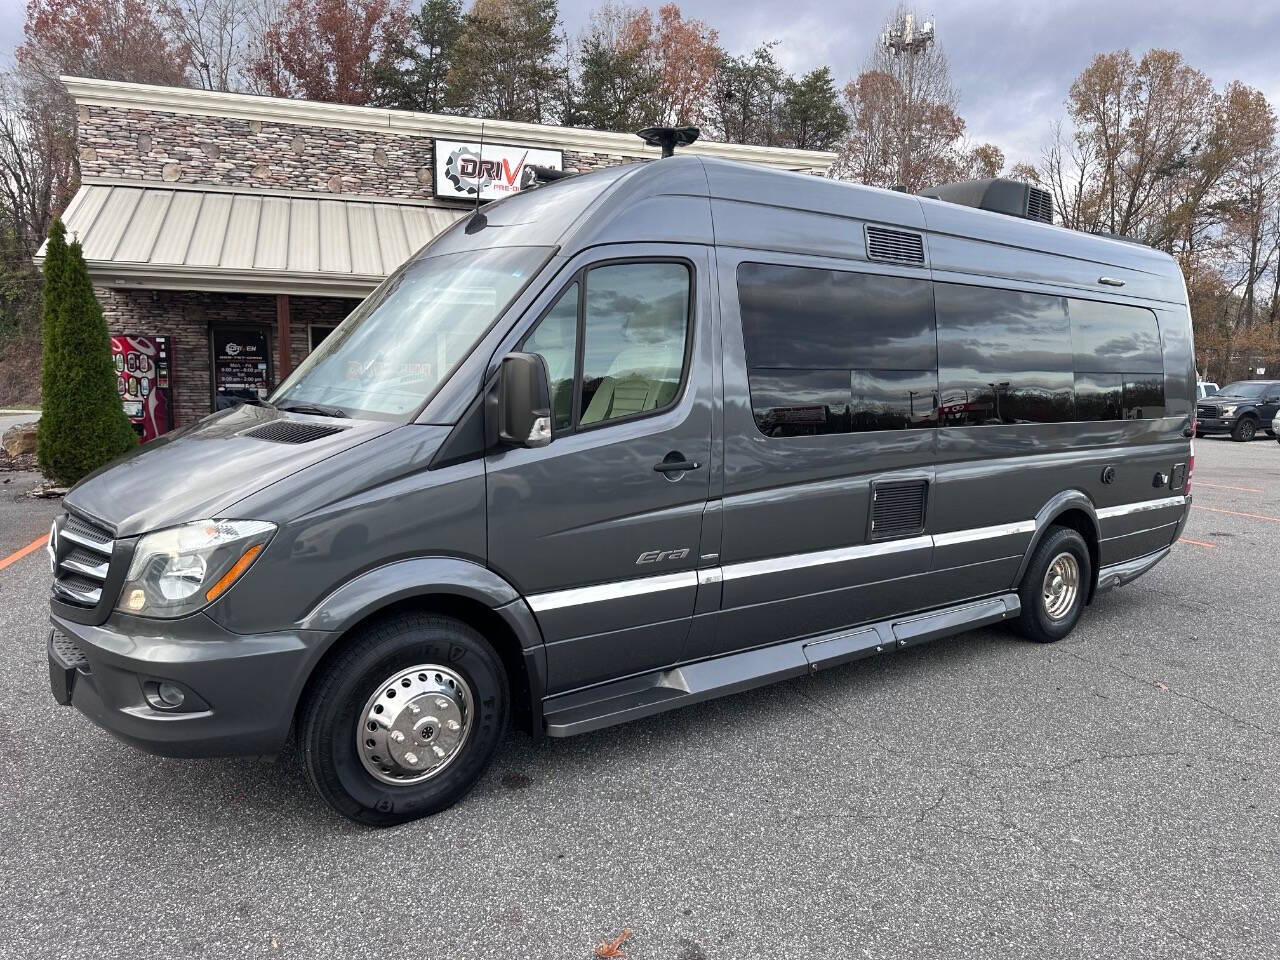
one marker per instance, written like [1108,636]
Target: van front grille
[82,559]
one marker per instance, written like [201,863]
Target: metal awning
[160,236]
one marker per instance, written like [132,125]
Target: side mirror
[524,401]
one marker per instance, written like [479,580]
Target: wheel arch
[1074,509]
[451,587]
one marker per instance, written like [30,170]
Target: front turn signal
[231,576]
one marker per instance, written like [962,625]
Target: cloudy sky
[1012,63]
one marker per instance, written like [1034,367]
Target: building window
[316,334]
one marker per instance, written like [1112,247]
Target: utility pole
[905,39]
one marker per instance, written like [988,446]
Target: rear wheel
[1244,430]
[1054,587]
[402,723]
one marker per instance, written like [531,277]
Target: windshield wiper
[318,409]
[258,402]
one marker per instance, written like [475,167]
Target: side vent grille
[1039,205]
[894,246]
[291,431]
[897,508]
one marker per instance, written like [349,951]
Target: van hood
[201,470]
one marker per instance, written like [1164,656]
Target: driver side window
[615,343]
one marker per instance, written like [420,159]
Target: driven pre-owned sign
[494,169]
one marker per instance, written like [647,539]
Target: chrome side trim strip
[983,533]
[621,589]
[798,561]
[617,590]
[1124,509]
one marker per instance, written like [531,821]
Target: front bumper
[1215,424]
[242,690]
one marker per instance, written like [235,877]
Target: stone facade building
[238,226]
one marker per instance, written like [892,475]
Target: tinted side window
[1003,357]
[830,351]
[555,338]
[1112,338]
[1118,345]
[1143,396]
[1099,396]
[635,325]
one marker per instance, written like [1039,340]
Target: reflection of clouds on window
[836,352]
[636,326]
[392,352]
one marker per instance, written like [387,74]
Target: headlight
[1227,411]
[177,571]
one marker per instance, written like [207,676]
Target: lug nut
[442,704]
[397,736]
[453,725]
[411,758]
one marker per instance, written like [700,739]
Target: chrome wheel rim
[415,724]
[1061,586]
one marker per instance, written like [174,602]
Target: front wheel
[1244,430]
[404,720]
[1054,587]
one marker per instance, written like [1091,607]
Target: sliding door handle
[676,463]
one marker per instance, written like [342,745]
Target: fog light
[137,600]
[170,694]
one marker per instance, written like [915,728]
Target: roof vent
[291,431]
[1011,197]
[894,246]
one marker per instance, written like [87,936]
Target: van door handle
[676,463]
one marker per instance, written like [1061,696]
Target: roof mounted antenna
[480,168]
[668,138]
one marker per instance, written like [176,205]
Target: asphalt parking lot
[1113,795]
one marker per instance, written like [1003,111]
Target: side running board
[647,694]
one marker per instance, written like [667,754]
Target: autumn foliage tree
[108,39]
[328,49]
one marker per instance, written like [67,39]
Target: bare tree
[215,33]
[37,167]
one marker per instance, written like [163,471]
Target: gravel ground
[1113,795]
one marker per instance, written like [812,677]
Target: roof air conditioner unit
[1011,197]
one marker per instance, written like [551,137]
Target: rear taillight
[1191,465]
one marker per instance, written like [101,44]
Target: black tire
[339,693]
[1199,434]
[1271,433]
[1245,429]
[1035,622]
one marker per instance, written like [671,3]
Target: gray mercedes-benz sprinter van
[624,442]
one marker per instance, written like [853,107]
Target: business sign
[494,169]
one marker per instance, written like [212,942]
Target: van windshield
[392,352]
